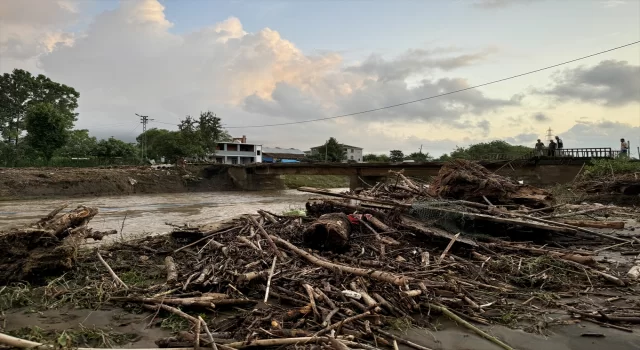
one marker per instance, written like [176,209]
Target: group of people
[554,148]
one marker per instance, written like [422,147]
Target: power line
[435,96]
[159,122]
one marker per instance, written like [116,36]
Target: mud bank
[24,183]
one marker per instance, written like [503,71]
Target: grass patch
[319,181]
[174,323]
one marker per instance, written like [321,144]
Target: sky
[261,62]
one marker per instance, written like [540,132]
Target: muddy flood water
[147,214]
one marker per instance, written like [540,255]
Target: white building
[353,153]
[237,152]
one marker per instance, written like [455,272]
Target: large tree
[396,156]
[47,127]
[79,144]
[487,149]
[114,148]
[203,133]
[20,90]
[332,151]
[419,157]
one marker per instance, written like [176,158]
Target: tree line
[37,117]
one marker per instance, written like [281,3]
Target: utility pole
[326,149]
[549,134]
[144,119]
[420,149]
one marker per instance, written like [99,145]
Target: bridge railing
[593,152]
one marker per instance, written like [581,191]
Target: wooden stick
[273,268]
[574,213]
[596,224]
[469,326]
[446,250]
[312,300]
[374,274]
[266,236]
[196,342]
[268,216]
[206,329]
[275,342]
[571,227]
[343,322]
[113,274]
[172,273]
[401,340]
[609,247]
[27,344]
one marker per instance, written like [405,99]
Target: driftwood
[377,275]
[47,247]
[596,224]
[329,231]
[172,274]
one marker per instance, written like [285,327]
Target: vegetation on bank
[318,181]
[610,167]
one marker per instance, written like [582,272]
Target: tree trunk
[330,231]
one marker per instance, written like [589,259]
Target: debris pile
[48,245]
[628,184]
[467,180]
[359,265]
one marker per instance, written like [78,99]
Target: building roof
[342,144]
[278,150]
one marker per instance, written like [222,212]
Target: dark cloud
[540,117]
[414,62]
[600,134]
[612,83]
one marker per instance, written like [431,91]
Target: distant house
[237,152]
[284,155]
[353,153]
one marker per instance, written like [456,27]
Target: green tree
[331,151]
[396,156]
[79,144]
[487,149]
[202,134]
[20,90]
[47,127]
[419,157]
[114,148]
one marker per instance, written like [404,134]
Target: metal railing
[590,153]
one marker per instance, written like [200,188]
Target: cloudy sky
[260,62]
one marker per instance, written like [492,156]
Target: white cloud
[128,60]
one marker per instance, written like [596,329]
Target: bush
[607,167]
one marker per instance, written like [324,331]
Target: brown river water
[146,214]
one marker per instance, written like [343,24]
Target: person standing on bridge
[552,148]
[539,148]
[560,146]
[624,148]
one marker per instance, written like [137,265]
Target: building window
[258,152]
[358,159]
[351,151]
[351,157]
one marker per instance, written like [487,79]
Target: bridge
[536,170]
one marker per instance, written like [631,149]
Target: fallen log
[596,224]
[329,231]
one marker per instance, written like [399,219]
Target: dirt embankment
[21,183]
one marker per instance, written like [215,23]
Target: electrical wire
[434,96]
